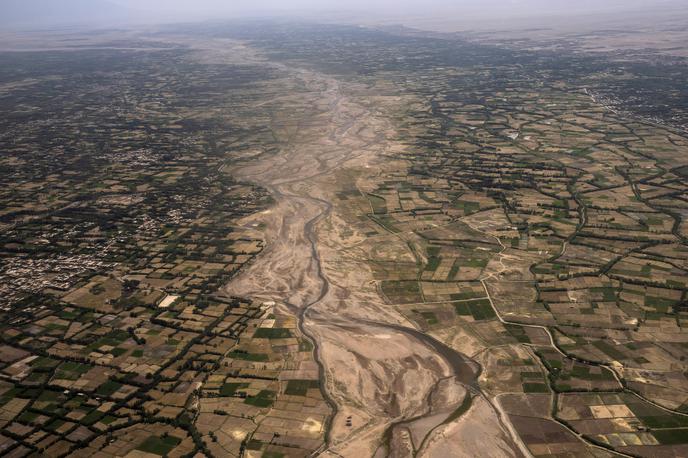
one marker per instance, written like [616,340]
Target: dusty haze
[446,15]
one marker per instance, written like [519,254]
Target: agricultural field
[119,229]
[527,225]
[291,240]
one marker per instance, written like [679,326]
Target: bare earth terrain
[378,370]
[336,299]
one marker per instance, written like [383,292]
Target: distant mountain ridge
[32,13]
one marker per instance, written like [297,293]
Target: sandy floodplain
[378,370]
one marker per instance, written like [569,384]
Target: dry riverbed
[378,371]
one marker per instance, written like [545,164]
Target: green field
[161,446]
[479,309]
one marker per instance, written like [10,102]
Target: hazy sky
[465,13]
[522,6]
[462,11]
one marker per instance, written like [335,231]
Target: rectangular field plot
[479,309]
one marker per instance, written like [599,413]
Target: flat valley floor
[302,240]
